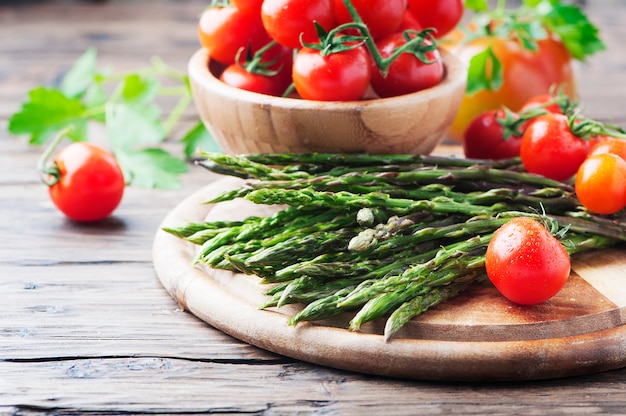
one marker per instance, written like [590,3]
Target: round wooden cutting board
[479,336]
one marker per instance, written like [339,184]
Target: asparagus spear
[396,269]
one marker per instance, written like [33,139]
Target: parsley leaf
[477,5]
[129,126]
[578,34]
[46,112]
[484,72]
[151,167]
[527,24]
[130,114]
[199,138]
[133,119]
[81,75]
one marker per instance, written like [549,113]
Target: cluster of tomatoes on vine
[553,139]
[329,50]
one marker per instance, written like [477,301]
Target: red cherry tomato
[268,74]
[89,182]
[287,20]
[484,138]
[341,76]
[601,183]
[238,76]
[248,6]
[225,30]
[382,17]
[526,263]
[407,73]
[443,15]
[549,148]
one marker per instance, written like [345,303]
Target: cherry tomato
[443,15]
[484,138]
[287,20]
[526,74]
[407,73]
[225,30]
[248,6]
[271,75]
[601,183]
[526,263]
[604,144]
[341,76]
[89,182]
[549,148]
[382,17]
[238,76]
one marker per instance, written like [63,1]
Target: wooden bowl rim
[455,76]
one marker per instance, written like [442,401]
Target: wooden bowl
[247,122]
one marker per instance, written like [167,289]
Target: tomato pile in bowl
[327,112]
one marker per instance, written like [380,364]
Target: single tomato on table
[526,263]
[85,182]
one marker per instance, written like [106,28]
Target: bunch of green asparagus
[380,236]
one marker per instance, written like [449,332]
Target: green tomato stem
[49,172]
[382,63]
[176,113]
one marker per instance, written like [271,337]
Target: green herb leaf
[139,91]
[94,99]
[151,168]
[130,114]
[46,112]
[528,33]
[133,119]
[130,126]
[580,36]
[477,5]
[484,72]
[80,75]
[199,138]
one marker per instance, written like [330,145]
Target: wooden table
[86,326]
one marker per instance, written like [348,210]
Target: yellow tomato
[525,74]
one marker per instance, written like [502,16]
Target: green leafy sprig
[529,23]
[135,126]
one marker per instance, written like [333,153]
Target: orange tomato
[601,183]
[526,74]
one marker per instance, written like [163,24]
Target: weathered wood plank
[168,385]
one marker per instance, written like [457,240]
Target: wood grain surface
[87,327]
